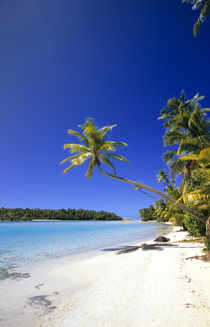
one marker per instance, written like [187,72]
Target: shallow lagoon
[30,243]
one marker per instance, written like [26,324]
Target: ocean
[28,244]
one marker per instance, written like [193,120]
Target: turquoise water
[23,243]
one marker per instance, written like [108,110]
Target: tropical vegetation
[95,147]
[188,157]
[204,7]
[19,214]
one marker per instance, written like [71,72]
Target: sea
[29,244]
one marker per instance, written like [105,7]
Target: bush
[207,243]
[194,226]
[177,220]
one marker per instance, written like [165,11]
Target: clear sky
[118,61]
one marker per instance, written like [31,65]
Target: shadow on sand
[144,247]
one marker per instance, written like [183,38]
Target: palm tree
[186,128]
[200,184]
[95,147]
[163,176]
[160,207]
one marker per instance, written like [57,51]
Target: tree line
[19,214]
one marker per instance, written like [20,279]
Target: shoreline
[148,280]
[156,284]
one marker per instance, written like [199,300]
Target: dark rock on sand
[162,239]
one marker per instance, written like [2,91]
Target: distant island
[19,214]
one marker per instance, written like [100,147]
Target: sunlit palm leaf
[76,148]
[117,144]
[108,147]
[196,195]
[89,172]
[104,130]
[169,156]
[70,158]
[79,135]
[78,161]
[118,157]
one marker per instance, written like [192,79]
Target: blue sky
[118,61]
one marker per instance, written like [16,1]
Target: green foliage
[204,7]
[195,227]
[148,214]
[163,176]
[177,219]
[94,147]
[187,132]
[19,214]
[207,243]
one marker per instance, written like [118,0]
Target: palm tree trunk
[208,228]
[153,190]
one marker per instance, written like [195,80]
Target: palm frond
[169,156]
[78,161]
[189,157]
[118,157]
[104,130]
[105,160]
[92,165]
[173,137]
[194,196]
[70,158]
[76,148]
[117,144]
[107,147]
[177,167]
[205,109]
[204,154]
[79,135]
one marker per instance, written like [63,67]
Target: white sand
[150,287]
[144,288]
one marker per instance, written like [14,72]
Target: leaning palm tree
[95,147]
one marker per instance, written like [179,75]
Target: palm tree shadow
[156,246]
[144,247]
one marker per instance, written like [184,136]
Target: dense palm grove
[188,158]
[17,214]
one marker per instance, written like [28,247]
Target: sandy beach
[147,285]
[150,285]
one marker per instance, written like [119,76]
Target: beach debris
[162,239]
[41,302]
[39,285]
[188,305]
[205,257]
[9,272]
[188,278]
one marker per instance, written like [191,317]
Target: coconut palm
[95,147]
[163,176]
[188,130]
[160,207]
